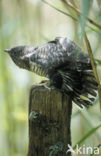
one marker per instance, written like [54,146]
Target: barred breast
[36,68]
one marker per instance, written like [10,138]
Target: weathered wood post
[49,122]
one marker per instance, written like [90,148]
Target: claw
[42,84]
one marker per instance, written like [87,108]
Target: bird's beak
[7,50]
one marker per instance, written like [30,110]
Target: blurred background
[32,22]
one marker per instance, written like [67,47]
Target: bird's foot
[43,84]
[44,81]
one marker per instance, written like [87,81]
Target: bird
[64,63]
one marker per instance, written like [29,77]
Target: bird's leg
[43,83]
[46,86]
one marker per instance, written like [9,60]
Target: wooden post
[49,122]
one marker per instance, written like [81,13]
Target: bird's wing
[58,53]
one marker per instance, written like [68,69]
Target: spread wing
[58,53]
[68,68]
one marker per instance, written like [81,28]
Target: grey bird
[64,63]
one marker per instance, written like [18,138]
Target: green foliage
[28,22]
[85,9]
[65,13]
[87,136]
[98,61]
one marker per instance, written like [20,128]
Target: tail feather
[89,80]
[90,91]
[89,88]
[89,85]
[81,85]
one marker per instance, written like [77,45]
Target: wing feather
[60,52]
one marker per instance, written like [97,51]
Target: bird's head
[20,55]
